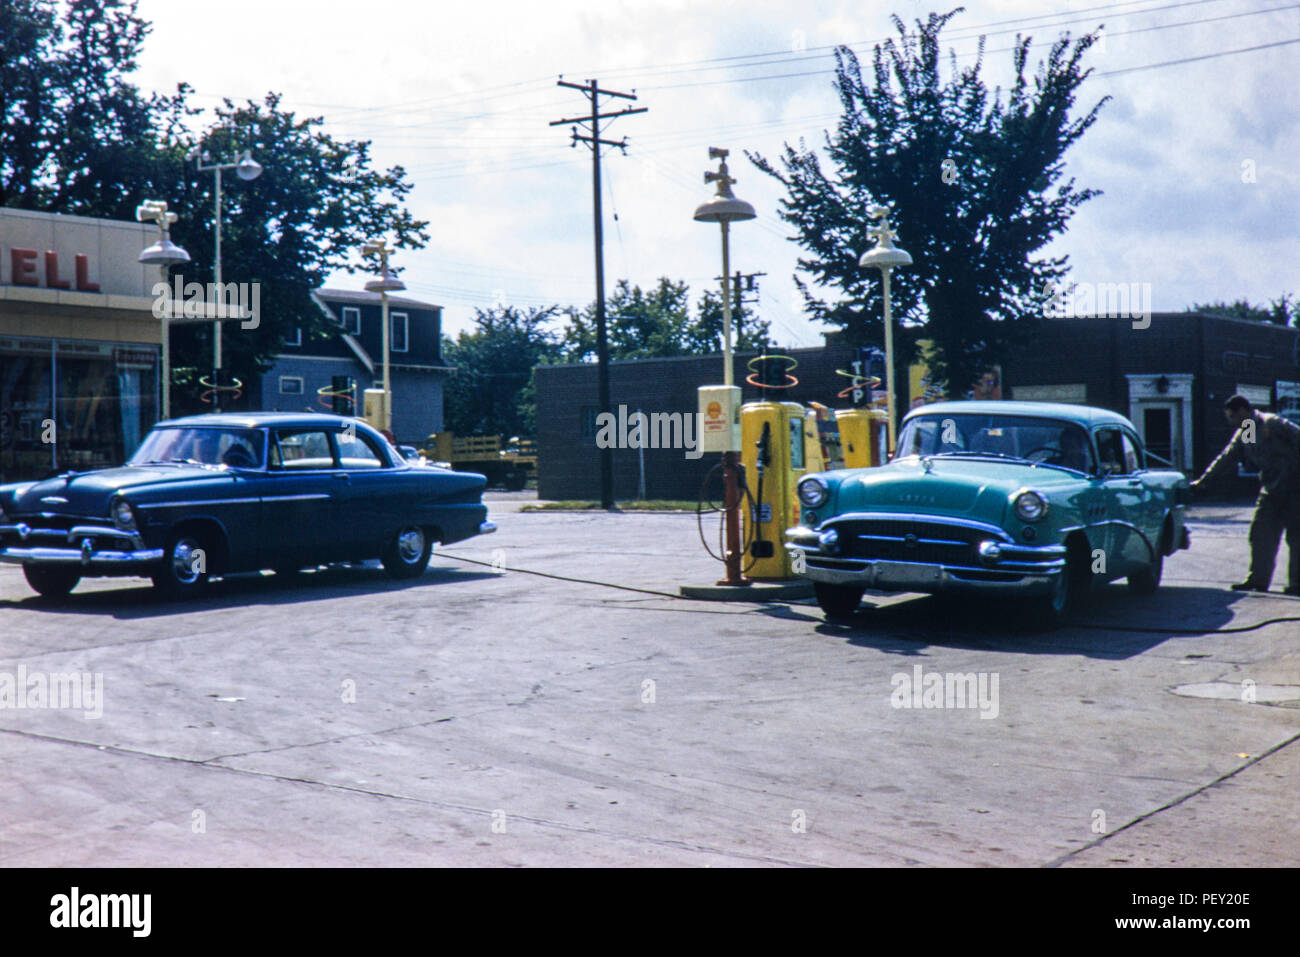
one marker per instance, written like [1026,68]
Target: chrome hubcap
[183,561]
[410,545]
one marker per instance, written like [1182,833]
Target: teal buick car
[1030,501]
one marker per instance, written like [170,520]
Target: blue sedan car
[214,494]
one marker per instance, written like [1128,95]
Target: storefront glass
[72,405]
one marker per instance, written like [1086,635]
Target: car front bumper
[1020,570]
[82,545]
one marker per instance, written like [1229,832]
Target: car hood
[965,488]
[89,493]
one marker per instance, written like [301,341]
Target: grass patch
[660,505]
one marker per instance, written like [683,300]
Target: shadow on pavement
[335,581]
[1114,624]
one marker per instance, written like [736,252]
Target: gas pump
[863,431]
[779,445]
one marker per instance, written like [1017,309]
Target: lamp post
[164,253]
[247,169]
[385,284]
[885,256]
[724,209]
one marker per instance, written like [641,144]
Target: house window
[352,320]
[397,337]
[294,338]
[291,385]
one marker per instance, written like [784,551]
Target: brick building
[1170,377]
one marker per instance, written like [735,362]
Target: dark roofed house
[305,368]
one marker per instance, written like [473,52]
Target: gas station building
[1170,377]
[79,344]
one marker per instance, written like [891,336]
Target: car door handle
[342,476]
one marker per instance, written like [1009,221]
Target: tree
[315,204]
[77,137]
[972,181]
[1283,311]
[704,335]
[639,324]
[491,391]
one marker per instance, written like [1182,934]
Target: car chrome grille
[908,541]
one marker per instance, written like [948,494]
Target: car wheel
[51,582]
[407,554]
[1050,611]
[183,573]
[1147,580]
[838,601]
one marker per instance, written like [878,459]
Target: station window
[291,385]
[397,341]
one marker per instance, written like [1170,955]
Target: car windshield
[231,448]
[1022,437]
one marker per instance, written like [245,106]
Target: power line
[957,33]
[1193,59]
[1117,33]
[591,89]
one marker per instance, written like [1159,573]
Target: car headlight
[813,492]
[1030,506]
[123,516]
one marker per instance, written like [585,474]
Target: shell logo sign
[715,418]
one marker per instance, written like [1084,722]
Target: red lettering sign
[52,272]
[83,275]
[22,263]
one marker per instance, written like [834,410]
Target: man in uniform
[1269,444]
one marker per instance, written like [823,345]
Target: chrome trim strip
[74,556]
[100,531]
[198,504]
[918,517]
[295,498]
[919,541]
[921,577]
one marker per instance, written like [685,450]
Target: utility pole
[593,93]
[746,287]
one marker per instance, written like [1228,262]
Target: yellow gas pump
[862,436]
[779,445]
[373,409]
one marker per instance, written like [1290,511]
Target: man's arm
[1230,455]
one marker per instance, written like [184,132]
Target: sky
[1197,161]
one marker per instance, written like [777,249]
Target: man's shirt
[1274,453]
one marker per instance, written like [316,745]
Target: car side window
[1110,449]
[302,450]
[356,452]
[1132,457]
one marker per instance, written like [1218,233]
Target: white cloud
[461,96]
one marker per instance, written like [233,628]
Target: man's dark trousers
[1275,512]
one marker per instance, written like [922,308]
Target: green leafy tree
[317,201]
[974,182]
[704,334]
[639,324]
[77,137]
[1283,311]
[491,391]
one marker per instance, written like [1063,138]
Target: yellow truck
[507,464]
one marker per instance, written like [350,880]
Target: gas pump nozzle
[761,548]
